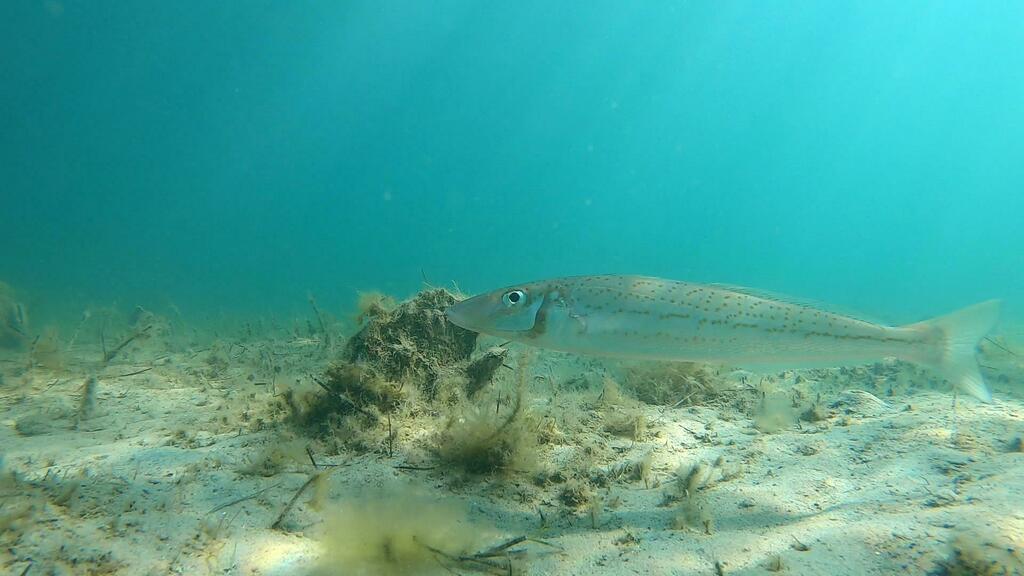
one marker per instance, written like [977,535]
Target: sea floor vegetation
[387,441]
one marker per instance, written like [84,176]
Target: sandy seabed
[192,465]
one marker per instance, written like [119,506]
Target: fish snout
[474,314]
[456,314]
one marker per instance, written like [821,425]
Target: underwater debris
[575,494]
[799,546]
[13,320]
[347,390]
[694,510]
[816,412]
[621,415]
[321,321]
[318,481]
[396,532]
[87,404]
[373,304]
[631,423]
[638,470]
[611,394]
[45,351]
[975,555]
[775,412]
[594,509]
[275,456]
[671,383]
[775,564]
[352,407]
[361,387]
[86,315]
[694,514]
[481,371]
[697,476]
[412,342]
[109,355]
[478,439]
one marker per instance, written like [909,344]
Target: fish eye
[513,297]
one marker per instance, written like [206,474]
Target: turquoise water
[233,158]
[177,179]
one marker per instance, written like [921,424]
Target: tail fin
[957,336]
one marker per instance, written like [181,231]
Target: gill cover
[521,317]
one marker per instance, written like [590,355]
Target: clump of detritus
[631,423]
[276,456]
[13,320]
[694,511]
[576,493]
[774,563]
[396,532]
[45,351]
[975,555]
[353,406]
[87,403]
[372,304]
[815,411]
[15,513]
[639,470]
[775,412]
[413,341]
[155,331]
[449,387]
[671,383]
[620,414]
[361,387]
[481,371]
[486,436]
[345,389]
[611,394]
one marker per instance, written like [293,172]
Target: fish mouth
[456,315]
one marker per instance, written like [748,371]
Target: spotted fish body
[651,318]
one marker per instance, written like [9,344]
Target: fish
[640,317]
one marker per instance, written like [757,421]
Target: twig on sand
[291,503]
[320,319]
[109,355]
[497,559]
[243,498]
[411,467]
[131,373]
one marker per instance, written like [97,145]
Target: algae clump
[478,440]
[411,342]
[982,554]
[395,533]
[671,383]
